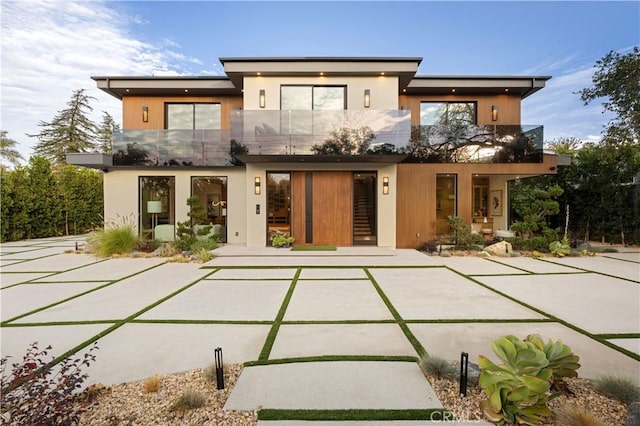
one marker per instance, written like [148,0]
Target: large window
[447,113]
[446,197]
[311,109]
[193,116]
[312,98]
[157,209]
[212,194]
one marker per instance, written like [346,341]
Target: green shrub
[621,388]
[438,367]
[463,238]
[204,244]
[203,255]
[33,393]
[118,238]
[189,400]
[560,248]
[562,361]
[167,250]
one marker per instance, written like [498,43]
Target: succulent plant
[562,360]
[517,389]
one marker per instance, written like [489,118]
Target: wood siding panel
[333,208]
[132,109]
[416,201]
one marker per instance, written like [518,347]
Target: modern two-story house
[331,150]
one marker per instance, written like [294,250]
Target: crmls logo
[446,416]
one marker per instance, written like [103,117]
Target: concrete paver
[124,298]
[340,339]
[20,277]
[438,293]
[596,303]
[321,385]
[224,300]
[136,351]
[25,298]
[56,263]
[254,274]
[476,266]
[535,266]
[107,270]
[333,273]
[336,300]
[616,268]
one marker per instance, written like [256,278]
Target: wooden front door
[322,208]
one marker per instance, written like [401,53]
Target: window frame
[447,104]
[167,105]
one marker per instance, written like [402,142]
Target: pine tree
[71,130]
[8,153]
[105,133]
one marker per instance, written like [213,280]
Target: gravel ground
[580,393]
[131,404]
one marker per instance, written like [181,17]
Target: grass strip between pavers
[333,358]
[271,337]
[97,337]
[478,321]
[422,353]
[314,248]
[48,274]
[595,337]
[435,414]
[618,335]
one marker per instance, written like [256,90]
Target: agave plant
[517,389]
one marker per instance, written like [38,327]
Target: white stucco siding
[384,90]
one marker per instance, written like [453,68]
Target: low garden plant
[194,229]
[119,238]
[188,400]
[438,367]
[620,388]
[35,393]
[517,390]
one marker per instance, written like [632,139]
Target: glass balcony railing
[475,144]
[346,133]
[343,132]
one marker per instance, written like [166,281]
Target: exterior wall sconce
[385,185]
[494,113]
[145,114]
[367,98]
[262,99]
[256,185]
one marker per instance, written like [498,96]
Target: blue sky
[51,48]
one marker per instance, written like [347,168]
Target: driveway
[363,305]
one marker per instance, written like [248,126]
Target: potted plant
[282,241]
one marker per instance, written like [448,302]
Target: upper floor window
[312,98]
[447,113]
[193,116]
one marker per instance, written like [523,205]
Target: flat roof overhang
[91,160]
[402,67]
[119,86]
[476,85]
[321,159]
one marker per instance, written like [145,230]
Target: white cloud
[559,108]
[51,48]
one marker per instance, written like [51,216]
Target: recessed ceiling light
[259,73]
[453,90]
[506,90]
[186,90]
[382,73]
[321,73]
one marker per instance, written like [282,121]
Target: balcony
[330,134]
